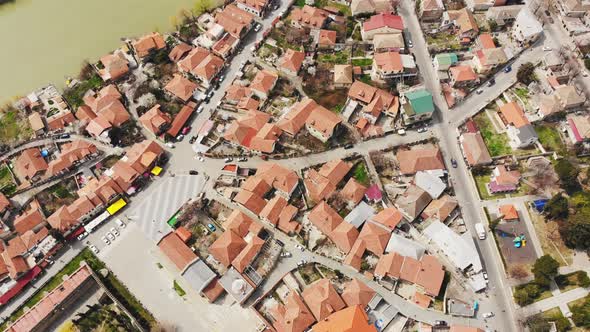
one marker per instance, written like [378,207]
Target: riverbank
[61,34]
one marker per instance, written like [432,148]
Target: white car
[110,236]
[200,108]
[120,223]
[115,231]
[228,159]
[488,315]
[93,248]
[480,91]
[105,240]
[170,145]
[546,48]
[286,254]
[485,275]
[422,129]
[82,236]
[300,247]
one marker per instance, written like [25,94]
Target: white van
[481,231]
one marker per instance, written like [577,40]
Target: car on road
[170,145]
[186,130]
[193,172]
[193,139]
[211,227]
[491,82]
[479,91]
[82,236]
[485,275]
[93,248]
[120,223]
[200,109]
[440,323]
[228,159]
[410,44]
[300,247]
[348,146]
[243,159]
[115,231]
[105,240]
[302,262]
[286,254]
[401,132]
[546,48]
[422,129]
[488,315]
[508,69]
[454,162]
[64,136]
[179,138]
[258,27]
[110,236]
[280,243]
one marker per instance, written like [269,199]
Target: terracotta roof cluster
[264,81]
[427,272]
[179,51]
[374,100]
[351,319]
[309,16]
[155,120]
[30,163]
[324,217]
[292,60]
[513,115]
[357,293]
[235,93]
[420,158]
[413,201]
[384,20]
[293,315]
[440,208]
[144,45]
[71,153]
[322,184]
[280,213]
[201,63]
[308,112]
[353,192]
[103,110]
[138,159]
[389,62]
[343,74]
[4,203]
[462,73]
[253,131]
[464,19]
[60,119]
[234,20]
[177,251]
[257,5]
[28,221]
[115,65]
[29,234]
[181,87]
[322,299]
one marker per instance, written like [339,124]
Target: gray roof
[405,247]
[459,248]
[430,183]
[199,275]
[360,214]
[526,132]
[235,285]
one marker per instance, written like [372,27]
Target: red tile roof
[227,247]
[508,212]
[384,20]
[353,191]
[177,251]
[375,237]
[181,118]
[28,221]
[146,44]
[351,319]
[420,158]
[293,316]
[292,60]
[357,293]
[344,236]
[250,200]
[246,256]
[30,163]
[322,299]
[514,115]
[389,217]
[181,87]
[324,217]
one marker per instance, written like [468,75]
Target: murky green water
[43,41]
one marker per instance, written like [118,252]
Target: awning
[156,170]
[173,221]
[115,207]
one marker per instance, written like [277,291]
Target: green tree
[526,294]
[587,63]
[583,279]
[568,175]
[581,314]
[526,73]
[544,269]
[557,207]
[201,6]
[576,230]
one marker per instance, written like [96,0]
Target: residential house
[208,69]
[263,83]
[569,98]
[488,59]
[373,101]
[417,105]
[519,130]
[420,158]
[322,299]
[71,154]
[282,179]
[227,247]
[503,180]
[256,7]
[508,212]
[440,209]
[412,202]
[342,75]
[292,315]
[553,60]
[59,120]
[427,273]
[463,76]
[292,61]
[179,52]
[431,10]
[103,111]
[225,46]
[350,319]
[573,8]
[235,21]
[384,23]
[344,236]
[114,66]
[389,42]
[431,182]
[374,237]
[30,164]
[389,217]
[578,128]
[479,5]
[322,184]
[324,218]
[308,17]
[326,38]
[38,126]
[392,65]
[29,220]
[464,21]
[322,124]
[503,15]
[474,149]
[526,28]
[181,118]
[148,44]
[181,88]
[353,192]
[444,61]
[155,120]
[371,6]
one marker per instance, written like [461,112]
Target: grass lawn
[577,302]
[362,62]
[7,185]
[443,40]
[570,281]
[522,93]
[551,242]
[344,9]
[365,78]
[361,174]
[497,143]
[121,292]
[550,139]
[338,58]
[74,95]
[545,294]
[541,322]
[14,127]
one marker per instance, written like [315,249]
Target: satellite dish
[238,286]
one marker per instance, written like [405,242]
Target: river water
[43,41]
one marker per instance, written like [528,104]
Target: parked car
[280,243]
[193,172]
[401,132]
[115,231]
[508,69]
[186,130]
[170,145]
[349,146]
[440,323]
[491,82]
[243,159]
[410,44]
[258,27]
[64,136]
[179,137]
[82,236]
[546,48]
[93,248]
[228,159]
[300,247]
[479,91]
[110,236]
[193,139]
[485,275]
[422,129]
[211,227]
[488,315]
[105,240]
[120,223]
[454,162]
[201,159]
[286,254]
[200,108]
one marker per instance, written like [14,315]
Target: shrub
[557,207]
[526,73]
[583,279]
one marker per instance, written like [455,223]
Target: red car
[186,129]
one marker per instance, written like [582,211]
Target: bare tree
[518,272]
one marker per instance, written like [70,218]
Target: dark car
[454,163]
[349,146]
[193,139]
[64,136]
[508,69]
[193,172]
[491,82]
[440,323]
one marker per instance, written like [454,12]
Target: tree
[527,294]
[526,73]
[568,174]
[576,230]
[518,272]
[201,6]
[493,25]
[583,279]
[557,207]
[544,269]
